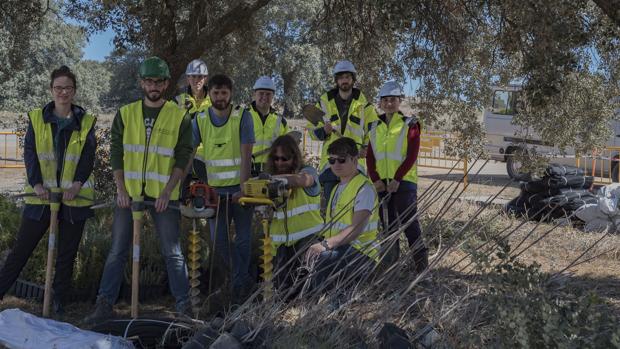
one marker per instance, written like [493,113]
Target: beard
[283,170]
[346,87]
[153,96]
[220,105]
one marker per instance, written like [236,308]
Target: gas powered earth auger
[270,193]
[202,203]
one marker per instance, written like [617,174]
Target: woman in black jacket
[59,151]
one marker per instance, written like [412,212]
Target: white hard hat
[391,88]
[344,67]
[264,83]
[197,67]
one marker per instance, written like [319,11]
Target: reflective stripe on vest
[265,133]
[48,164]
[303,219]
[342,217]
[352,129]
[147,165]
[389,145]
[222,148]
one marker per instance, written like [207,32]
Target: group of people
[155,143]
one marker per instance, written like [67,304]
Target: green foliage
[525,310]
[57,43]
[9,222]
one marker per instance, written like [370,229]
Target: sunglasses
[333,160]
[280,158]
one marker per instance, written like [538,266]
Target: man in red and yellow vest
[150,150]
[392,154]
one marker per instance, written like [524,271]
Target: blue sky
[99,46]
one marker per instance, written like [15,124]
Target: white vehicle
[502,140]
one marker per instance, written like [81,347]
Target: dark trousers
[339,268]
[399,202]
[328,181]
[30,232]
[287,279]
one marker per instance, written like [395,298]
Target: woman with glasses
[59,151]
[299,220]
[391,159]
[349,239]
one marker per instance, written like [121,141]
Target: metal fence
[601,164]
[10,153]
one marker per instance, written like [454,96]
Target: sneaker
[103,312]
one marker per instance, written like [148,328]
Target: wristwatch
[325,244]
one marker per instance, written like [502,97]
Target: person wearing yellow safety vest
[227,135]
[392,155]
[299,221]
[150,150]
[195,99]
[268,125]
[349,238]
[59,151]
[347,114]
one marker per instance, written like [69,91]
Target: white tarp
[19,329]
[605,214]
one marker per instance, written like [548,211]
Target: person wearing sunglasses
[59,151]
[299,220]
[151,146]
[268,125]
[392,154]
[349,238]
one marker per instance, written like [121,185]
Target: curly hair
[290,148]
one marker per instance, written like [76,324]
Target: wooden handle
[51,249]
[135,269]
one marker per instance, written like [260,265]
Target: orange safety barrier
[10,153]
[602,164]
[431,154]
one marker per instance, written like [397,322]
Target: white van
[502,141]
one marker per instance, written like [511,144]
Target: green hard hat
[154,67]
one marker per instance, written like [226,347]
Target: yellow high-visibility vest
[341,216]
[266,133]
[389,145]
[187,101]
[299,218]
[222,148]
[361,113]
[149,164]
[44,140]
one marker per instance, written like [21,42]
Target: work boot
[103,311]
[421,261]
[58,308]
[184,311]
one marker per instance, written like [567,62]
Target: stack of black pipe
[561,191]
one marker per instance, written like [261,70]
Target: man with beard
[227,135]
[268,125]
[347,114]
[297,222]
[150,149]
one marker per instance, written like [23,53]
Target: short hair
[219,81]
[344,146]
[63,71]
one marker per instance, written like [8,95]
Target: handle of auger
[55,199]
[137,214]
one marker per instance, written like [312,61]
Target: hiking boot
[103,312]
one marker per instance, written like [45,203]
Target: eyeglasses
[60,89]
[280,158]
[158,82]
[333,160]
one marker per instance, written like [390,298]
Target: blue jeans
[167,227]
[237,253]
